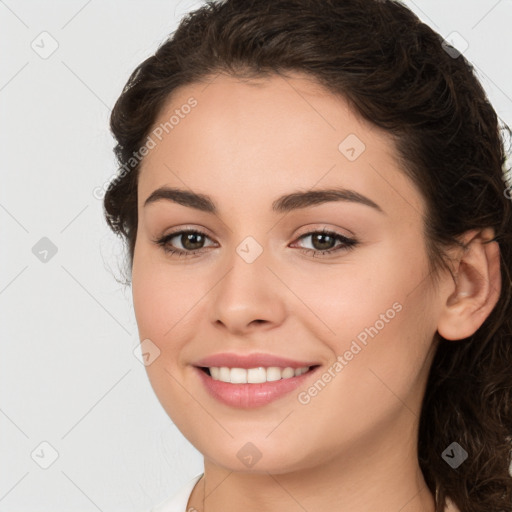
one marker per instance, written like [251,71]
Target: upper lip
[246,361]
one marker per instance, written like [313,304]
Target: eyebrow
[283,204]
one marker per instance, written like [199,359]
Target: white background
[68,374]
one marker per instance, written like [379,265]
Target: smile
[255,375]
[252,387]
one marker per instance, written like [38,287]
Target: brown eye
[191,240]
[324,242]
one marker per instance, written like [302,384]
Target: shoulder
[178,502]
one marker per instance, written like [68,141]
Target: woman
[319,237]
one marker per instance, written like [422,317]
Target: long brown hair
[399,74]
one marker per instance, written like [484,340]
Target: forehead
[265,136]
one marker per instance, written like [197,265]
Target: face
[268,264]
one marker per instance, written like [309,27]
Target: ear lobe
[477,287]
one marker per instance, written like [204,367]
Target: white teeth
[224,374]
[287,373]
[238,376]
[273,373]
[255,375]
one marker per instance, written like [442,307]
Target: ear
[476,289]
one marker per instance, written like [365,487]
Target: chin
[257,458]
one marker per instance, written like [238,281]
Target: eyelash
[347,243]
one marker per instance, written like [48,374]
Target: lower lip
[251,395]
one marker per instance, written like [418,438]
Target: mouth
[257,375]
[252,387]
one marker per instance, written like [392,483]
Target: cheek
[377,315]
[164,308]
[364,291]
[163,296]
[377,373]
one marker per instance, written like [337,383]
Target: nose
[248,297]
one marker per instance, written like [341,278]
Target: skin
[353,446]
